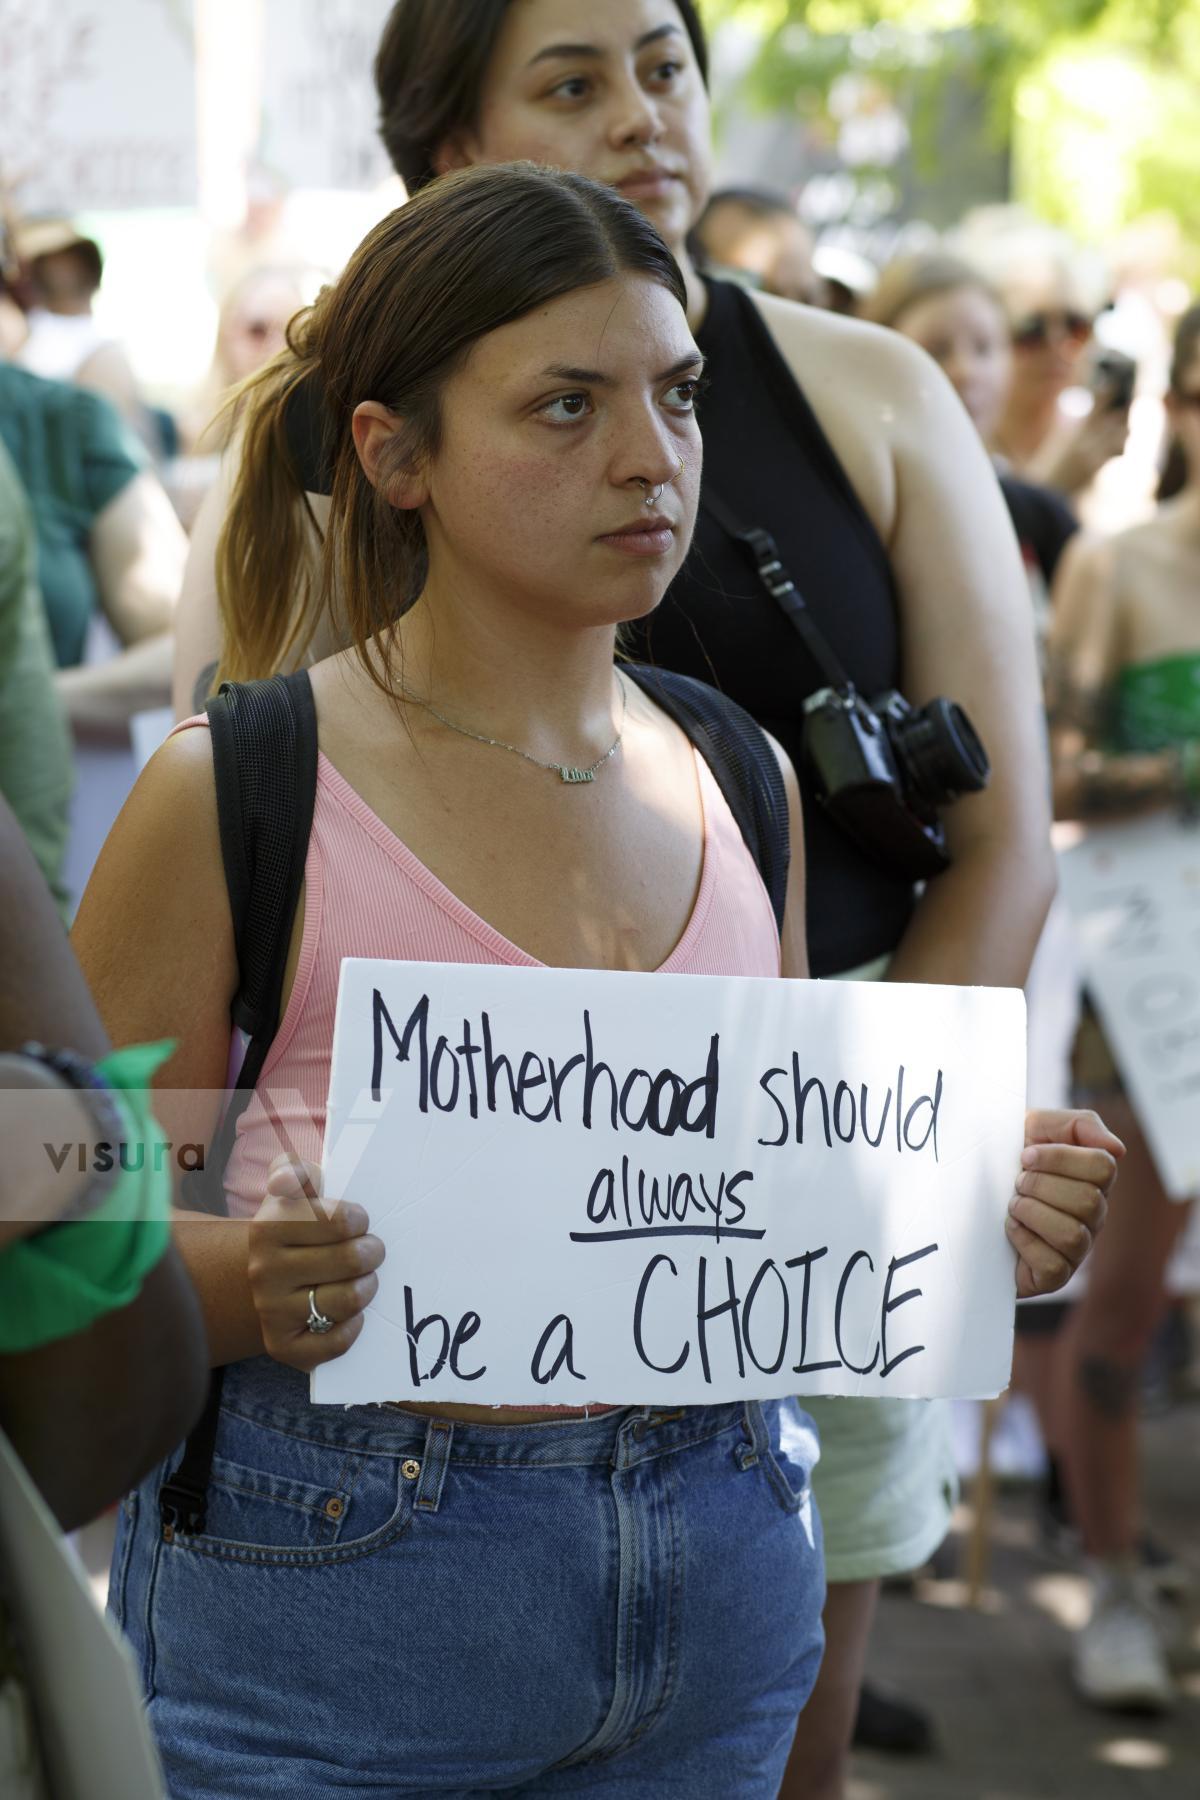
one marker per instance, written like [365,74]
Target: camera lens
[941,752]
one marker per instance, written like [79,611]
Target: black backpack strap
[743,764]
[264,744]
[761,550]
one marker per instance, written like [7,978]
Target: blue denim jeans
[384,1604]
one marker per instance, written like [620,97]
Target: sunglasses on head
[1062,324]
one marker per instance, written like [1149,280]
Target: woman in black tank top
[768,461]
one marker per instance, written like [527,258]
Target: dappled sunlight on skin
[1133,1753]
[954,1596]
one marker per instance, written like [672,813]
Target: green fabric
[35,744]
[74,454]
[62,1280]
[1157,704]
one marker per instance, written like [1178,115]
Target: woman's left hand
[1068,1168]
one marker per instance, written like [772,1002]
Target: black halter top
[767,459]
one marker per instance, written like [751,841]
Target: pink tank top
[367,895]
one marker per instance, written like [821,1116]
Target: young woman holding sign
[624,1603]
[849,447]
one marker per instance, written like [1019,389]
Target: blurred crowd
[1063,371]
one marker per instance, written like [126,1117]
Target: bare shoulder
[813,337]
[166,836]
[153,931]
[1086,616]
[1171,528]
[183,767]
[872,391]
[1088,565]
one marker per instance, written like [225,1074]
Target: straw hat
[32,239]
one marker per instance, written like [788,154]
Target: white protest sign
[97,104]
[1134,893]
[636,1189]
[320,111]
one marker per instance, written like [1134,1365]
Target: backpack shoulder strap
[264,738]
[264,744]
[743,764]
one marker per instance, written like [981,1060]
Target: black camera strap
[762,551]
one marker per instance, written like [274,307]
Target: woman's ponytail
[268,553]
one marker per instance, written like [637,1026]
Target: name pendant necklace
[567,772]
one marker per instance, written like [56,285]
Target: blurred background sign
[97,104]
[319,109]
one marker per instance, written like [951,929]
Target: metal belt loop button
[438,1439]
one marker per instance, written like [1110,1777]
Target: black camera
[883,770]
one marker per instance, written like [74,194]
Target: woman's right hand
[300,1243]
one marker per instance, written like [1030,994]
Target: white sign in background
[320,111]
[97,104]
[804,1189]
[1134,894]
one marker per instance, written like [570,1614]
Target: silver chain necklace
[565,771]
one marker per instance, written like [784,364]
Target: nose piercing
[652,499]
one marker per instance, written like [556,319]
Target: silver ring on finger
[317,1321]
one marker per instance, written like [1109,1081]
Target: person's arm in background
[35,745]
[109,373]
[137,550]
[198,623]
[198,619]
[1090,781]
[38,1114]
[90,1413]
[1076,451]
[968,633]
[793,939]
[966,629]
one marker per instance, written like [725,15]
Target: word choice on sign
[635,1189]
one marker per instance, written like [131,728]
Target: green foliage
[1099,96]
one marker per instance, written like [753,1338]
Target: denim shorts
[386,1604]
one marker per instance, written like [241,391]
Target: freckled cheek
[512,499]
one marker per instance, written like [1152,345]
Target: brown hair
[914,278]
[468,254]
[1184,350]
[430,69]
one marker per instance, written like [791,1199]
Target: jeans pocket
[783,1476]
[276,1498]
[787,1478]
